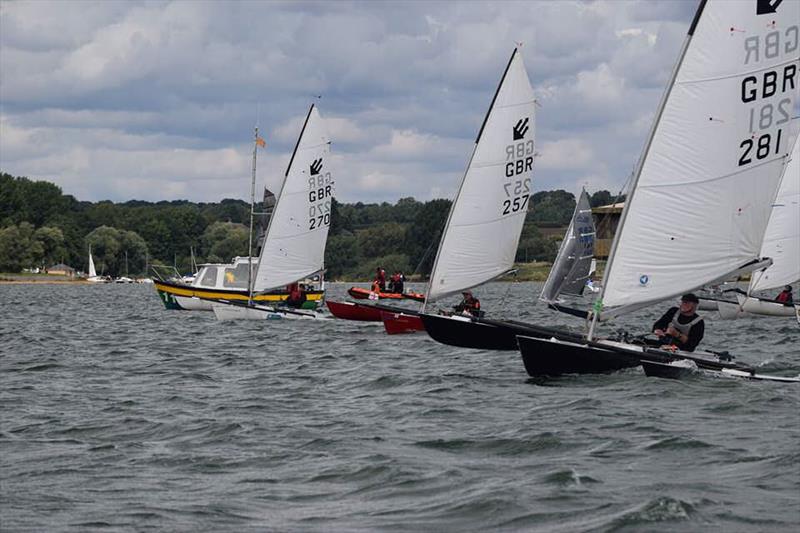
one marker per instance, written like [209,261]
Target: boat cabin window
[236,277]
[209,278]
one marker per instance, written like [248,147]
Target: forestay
[707,179]
[485,221]
[573,263]
[294,246]
[782,239]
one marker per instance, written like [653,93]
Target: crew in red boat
[396,282]
[785,296]
[296,295]
[380,279]
[469,305]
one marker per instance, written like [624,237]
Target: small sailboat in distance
[93,277]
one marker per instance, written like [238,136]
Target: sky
[157,100]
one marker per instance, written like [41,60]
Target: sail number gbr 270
[320,193]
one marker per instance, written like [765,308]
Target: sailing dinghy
[781,243]
[232,282]
[704,186]
[574,264]
[294,244]
[483,227]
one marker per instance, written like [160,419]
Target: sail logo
[765,7]
[519,154]
[520,129]
[316,166]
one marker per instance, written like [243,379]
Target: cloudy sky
[157,100]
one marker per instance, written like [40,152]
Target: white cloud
[157,100]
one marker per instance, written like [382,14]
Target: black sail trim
[299,138]
[697,16]
[496,92]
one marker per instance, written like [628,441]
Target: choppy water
[120,415]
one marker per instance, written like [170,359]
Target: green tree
[52,242]
[423,235]
[19,249]
[390,262]
[134,249]
[381,239]
[104,242]
[225,240]
[341,255]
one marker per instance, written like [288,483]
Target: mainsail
[294,246]
[782,238]
[572,266]
[92,271]
[485,221]
[707,179]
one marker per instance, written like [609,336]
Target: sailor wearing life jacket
[681,326]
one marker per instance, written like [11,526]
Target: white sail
[485,221]
[294,246]
[707,179]
[573,264]
[782,238]
[92,271]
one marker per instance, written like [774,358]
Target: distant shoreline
[525,272]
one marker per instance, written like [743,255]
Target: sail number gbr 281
[776,84]
[519,160]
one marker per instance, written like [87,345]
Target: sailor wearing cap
[469,305]
[681,326]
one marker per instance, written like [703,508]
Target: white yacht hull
[758,306]
[191,303]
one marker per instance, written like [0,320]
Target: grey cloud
[183,82]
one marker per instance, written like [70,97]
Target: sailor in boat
[380,280]
[297,295]
[681,327]
[469,305]
[785,296]
[396,282]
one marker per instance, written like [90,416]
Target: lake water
[120,415]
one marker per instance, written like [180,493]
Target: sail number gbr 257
[519,160]
[320,193]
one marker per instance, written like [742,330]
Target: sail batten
[480,239]
[294,246]
[711,169]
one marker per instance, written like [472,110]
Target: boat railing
[165,273]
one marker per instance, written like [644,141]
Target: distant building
[606,220]
[61,270]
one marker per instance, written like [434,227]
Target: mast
[598,304]
[252,216]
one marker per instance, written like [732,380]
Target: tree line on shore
[40,226]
